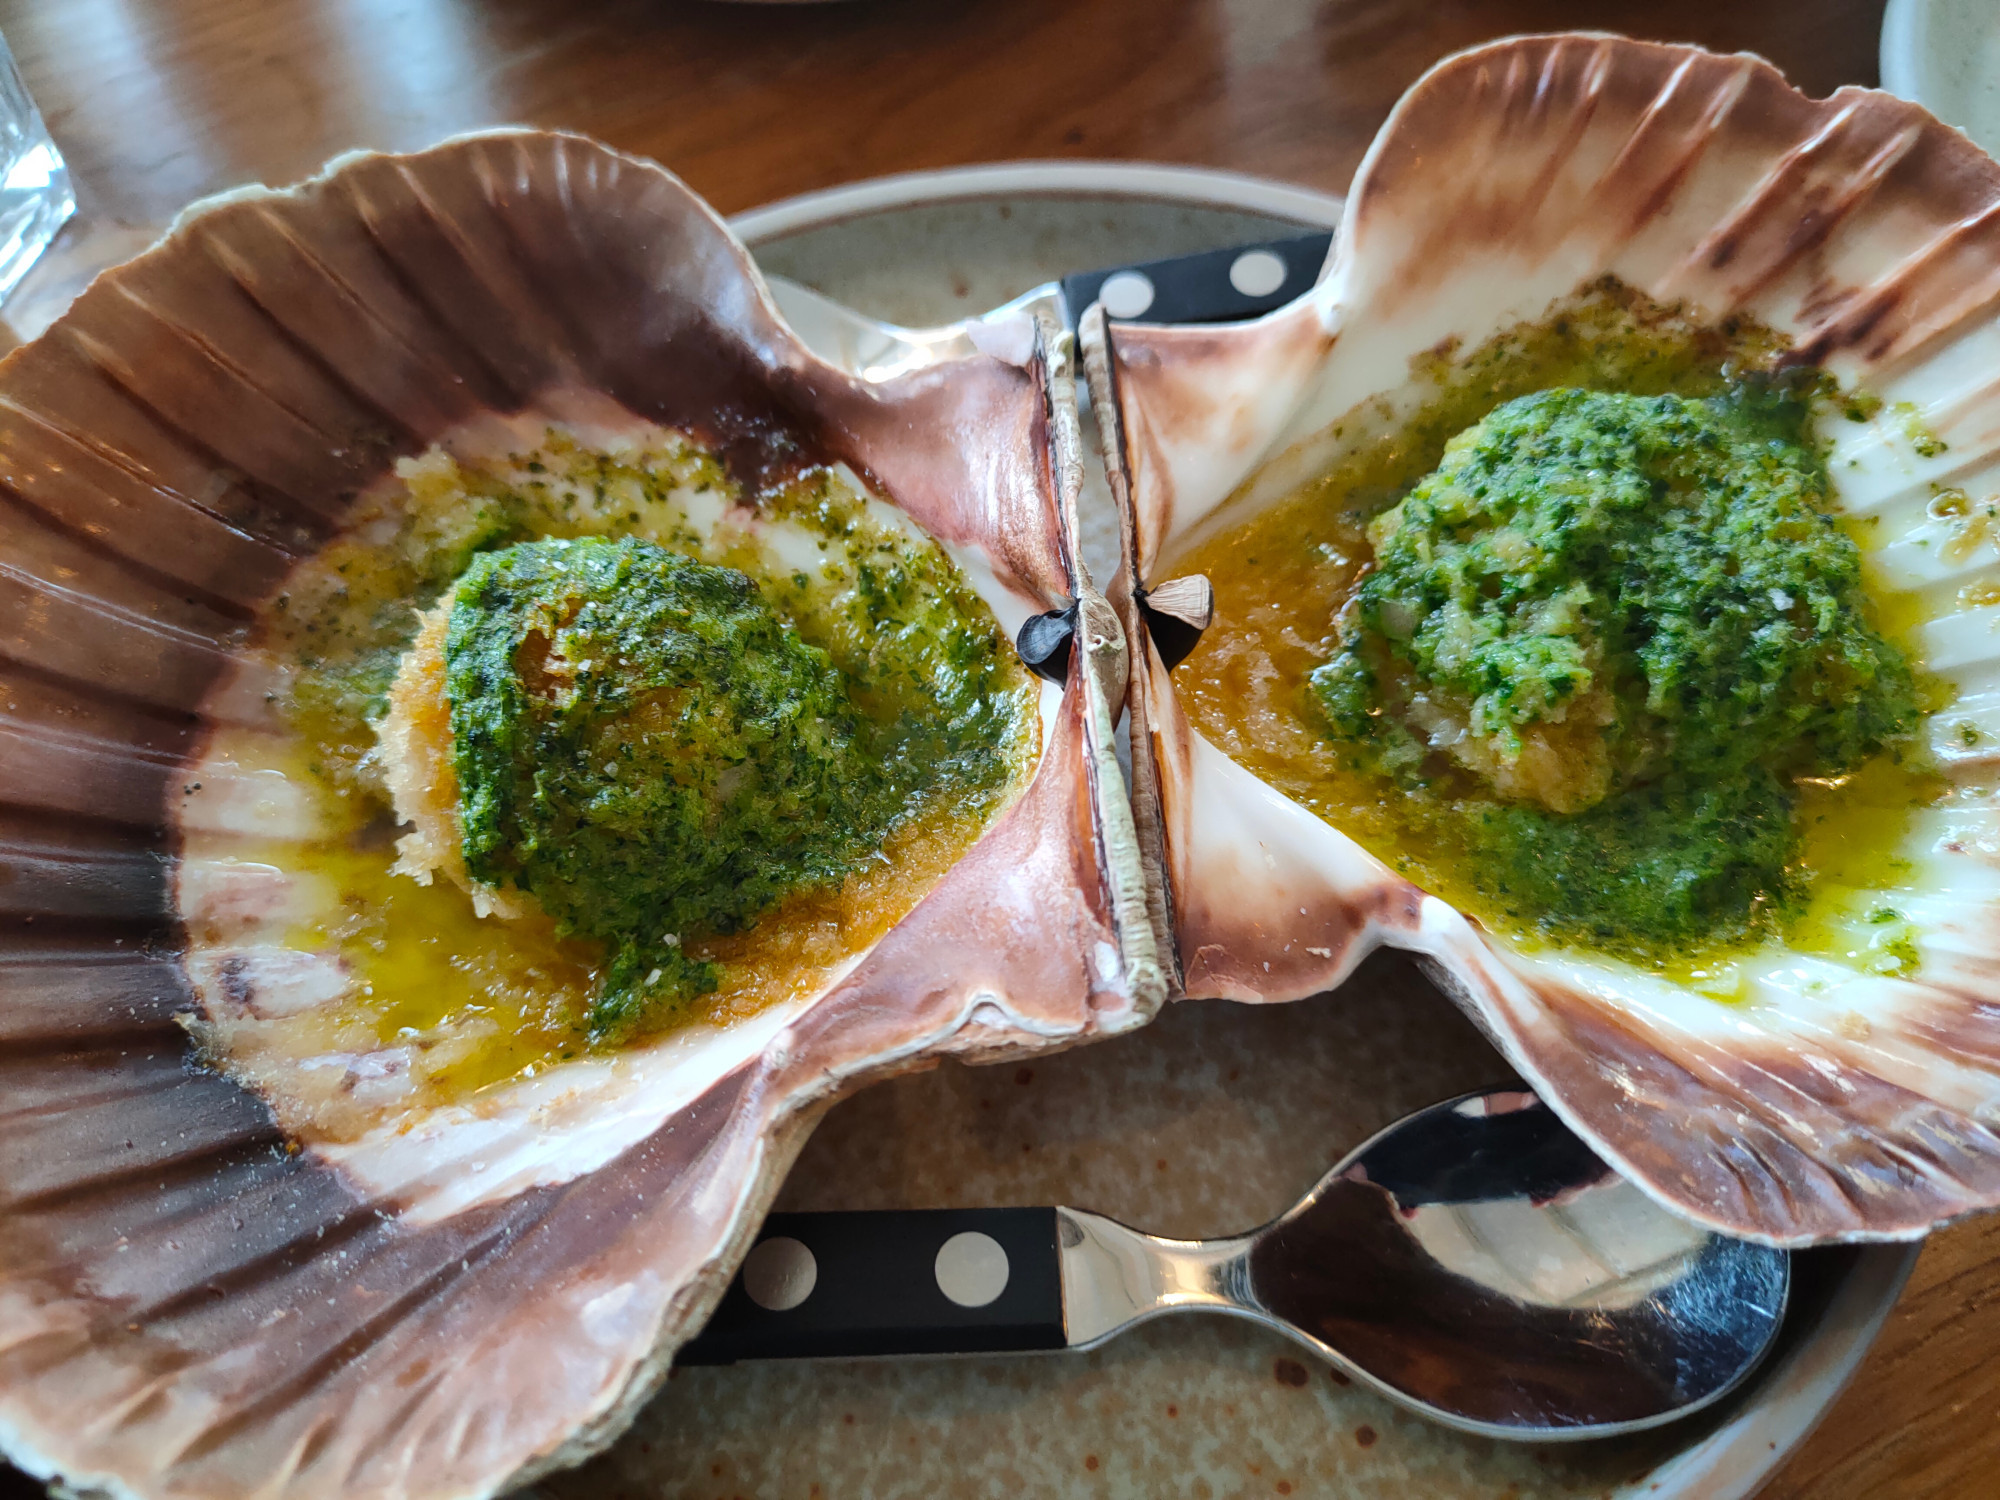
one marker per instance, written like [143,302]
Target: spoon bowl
[1474,1261]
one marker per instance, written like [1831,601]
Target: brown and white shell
[1829,1105]
[189,1304]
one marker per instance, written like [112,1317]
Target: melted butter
[1282,576]
[483,1001]
[1852,830]
[480,1001]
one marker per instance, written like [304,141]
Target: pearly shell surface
[191,1305]
[1829,1104]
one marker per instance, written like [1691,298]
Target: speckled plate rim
[1159,182]
[1909,38]
[1732,1461]
[1905,31]
[1923,50]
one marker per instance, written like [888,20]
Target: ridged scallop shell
[1508,177]
[188,1305]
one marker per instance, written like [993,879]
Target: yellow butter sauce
[1283,575]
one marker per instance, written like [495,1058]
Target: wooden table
[157,102]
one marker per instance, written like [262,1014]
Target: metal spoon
[1474,1262]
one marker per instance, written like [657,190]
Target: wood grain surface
[159,102]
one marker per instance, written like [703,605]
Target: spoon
[1474,1262]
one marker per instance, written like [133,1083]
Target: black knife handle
[1198,288]
[879,1285]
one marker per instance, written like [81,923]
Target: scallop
[209,1285]
[1810,1087]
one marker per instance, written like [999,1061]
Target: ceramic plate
[1945,55]
[1211,1121]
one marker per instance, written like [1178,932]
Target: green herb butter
[645,746]
[1605,636]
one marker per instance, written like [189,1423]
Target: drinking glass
[35,193]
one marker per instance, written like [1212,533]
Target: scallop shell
[188,1305]
[1832,1105]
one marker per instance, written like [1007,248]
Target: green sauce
[645,747]
[1603,639]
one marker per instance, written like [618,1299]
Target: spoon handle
[959,1281]
[854,1285]
[1114,1276]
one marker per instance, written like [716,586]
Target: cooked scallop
[413,752]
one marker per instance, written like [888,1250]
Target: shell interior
[194,1303]
[1826,1100]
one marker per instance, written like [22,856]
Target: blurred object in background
[35,195]
[1945,55]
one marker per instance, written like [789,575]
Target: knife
[1211,286]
